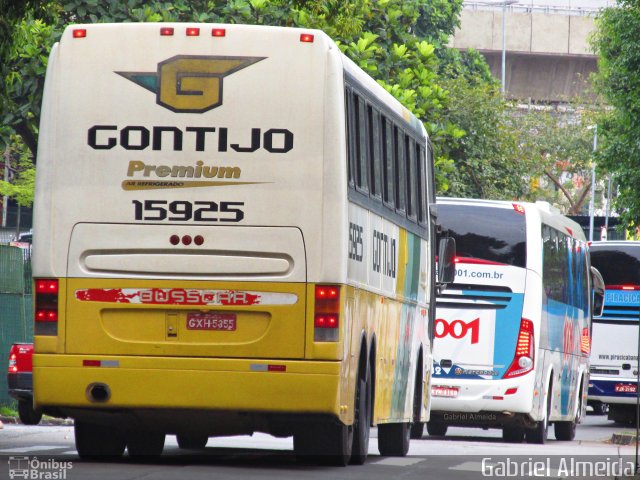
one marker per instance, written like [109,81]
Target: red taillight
[585,341]
[13,363]
[79,33]
[47,286]
[166,31]
[327,313]
[524,357]
[218,32]
[46,306]
[306,38]
[193,32]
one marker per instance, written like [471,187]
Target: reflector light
[218,32]
[518,208]
[495,397]
[79,33]
[174,239]
[186,240]
[511,391]
[47,286]
[306,37]
[166,31]
[277,368]
[91,363]
[198,240]
[193,32]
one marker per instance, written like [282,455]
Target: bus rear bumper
[492,398]
[64,383]
[604,390]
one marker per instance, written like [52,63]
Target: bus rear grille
[479,296]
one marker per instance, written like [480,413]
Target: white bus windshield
[488,234]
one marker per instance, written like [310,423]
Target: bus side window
[351,137]
[373,118]
[388,195]
[361,133]
[400,167]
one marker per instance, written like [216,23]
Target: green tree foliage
[557,148]
[401,43]
[616,42]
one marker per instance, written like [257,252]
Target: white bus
[614,355]
[512,333]
[232,235]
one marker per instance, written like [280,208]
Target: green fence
[15,306]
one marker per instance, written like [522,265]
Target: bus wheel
[325,443]
[566,431]
[145,443]
[513,434]
[27,414]
[192,442]
[437,429]
[98,441]
[362,422]
[393,439]
[539,433]
[417,429]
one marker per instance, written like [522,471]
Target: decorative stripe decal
[182,296]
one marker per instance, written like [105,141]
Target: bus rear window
[619,265]
[488,234]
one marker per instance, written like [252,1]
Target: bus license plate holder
[448,392]
[625,388]
[212,321]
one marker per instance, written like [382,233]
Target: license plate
[450,392]
[211,321]
[621,388]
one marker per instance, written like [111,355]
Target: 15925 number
[182,211]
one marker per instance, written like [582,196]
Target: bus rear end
[483,348]
[178,259]
[614,364]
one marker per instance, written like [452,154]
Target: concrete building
[548,54]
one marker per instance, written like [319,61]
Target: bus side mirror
[446,263]
[598,292]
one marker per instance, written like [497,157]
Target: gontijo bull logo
[190,83]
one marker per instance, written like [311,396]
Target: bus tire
[145,443]
[417,428]
[566,431]
[362,421]
[192,442]
[27,414]
[437,429]
[513,434]
[540,432]
[98,441]
[393,439]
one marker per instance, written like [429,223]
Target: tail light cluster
[524,356]
[327,314]
[46,307]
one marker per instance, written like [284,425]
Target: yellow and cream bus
[233,234]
